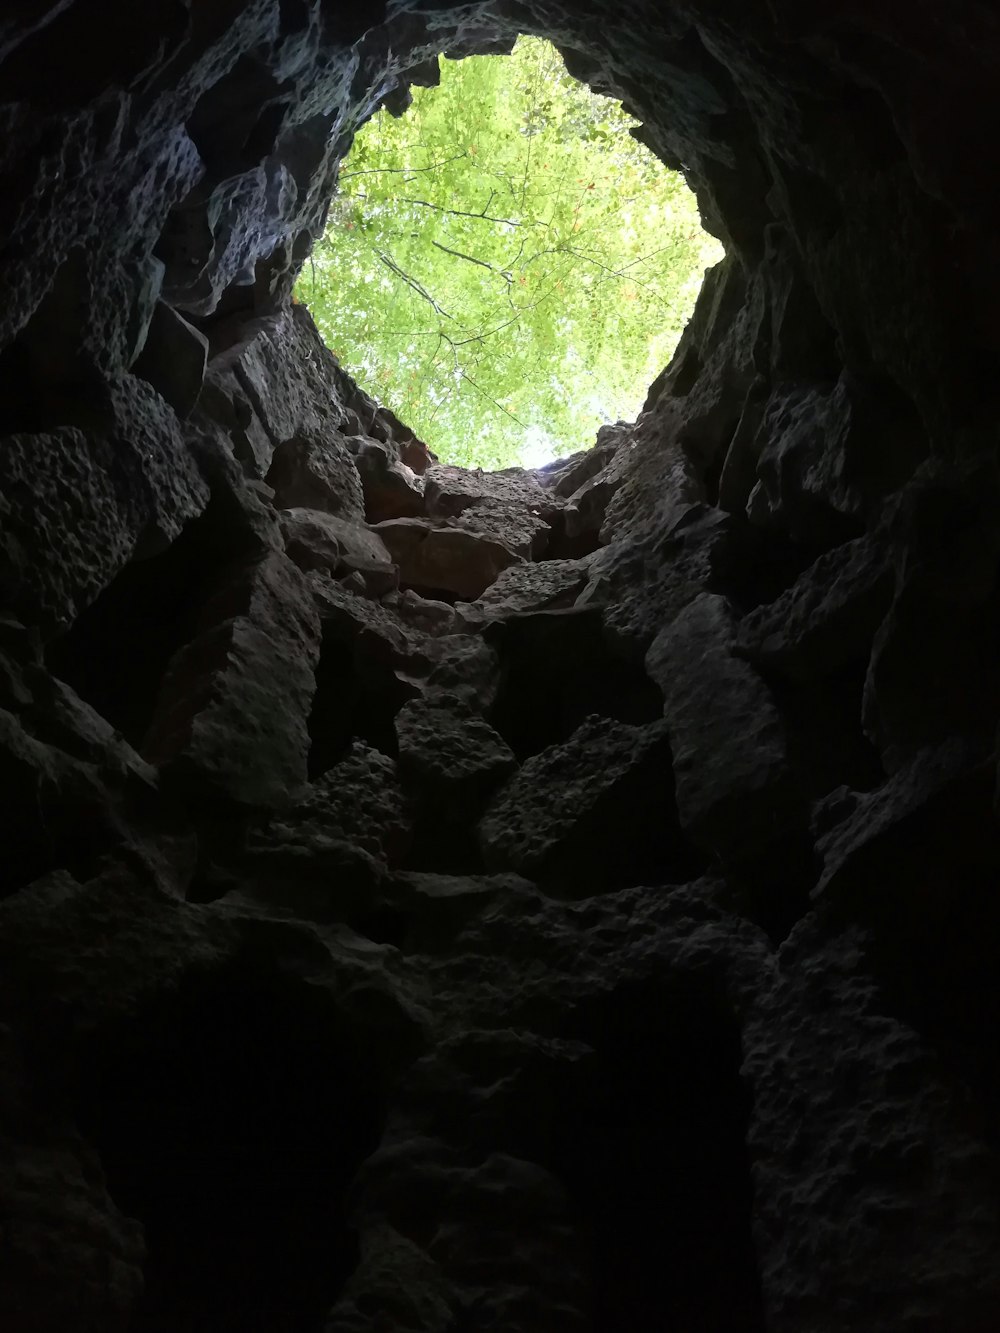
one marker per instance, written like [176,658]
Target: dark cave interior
[540,901]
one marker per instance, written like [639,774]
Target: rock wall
[556,900]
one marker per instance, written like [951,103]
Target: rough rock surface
[716,1046]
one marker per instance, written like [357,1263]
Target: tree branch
[458,213]
[399,171]
[459,254]
[412,282]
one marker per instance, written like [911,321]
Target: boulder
[444,560]
[315,540]
[826,620]
[450,760]
[591,814]
[736,790]
[316,472]
[391,488]
[230,721]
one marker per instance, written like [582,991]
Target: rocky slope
[556,900]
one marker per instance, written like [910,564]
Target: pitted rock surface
[714,1044]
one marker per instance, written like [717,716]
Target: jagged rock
[817,478]
[422,613]
[450,560]
[736,790]
[893,850]
[566,476]
[76,505]
[450,759]
[315,472]
[886,1118]
[315,540]
[287,375]
[70,1248]
[323,858]
[643,585]
[548,585]
[508,506]
[391,488]
[826,619]
[231,718]
[173,359]
[552,820]
[373,661]
[698,1105]
[225,403]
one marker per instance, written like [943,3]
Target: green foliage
[505,266]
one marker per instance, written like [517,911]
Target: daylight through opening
[505,265]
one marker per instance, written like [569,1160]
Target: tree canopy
[505,265]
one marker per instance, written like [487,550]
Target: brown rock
[449,560]
[316,472]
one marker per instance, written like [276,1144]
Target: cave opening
[651,1147]
[506,265]
[230,1115]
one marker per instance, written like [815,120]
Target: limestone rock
[173,359]
[316,472]
[449,759]
[422,613]
[231,717]
[643,585]
[559,667]
[316,540]
[507,506]
[546,585]
[450,560]
[736,790]
[391,488]
[330,849]
[552,820]
[826,619]
[77,504]
[290,380]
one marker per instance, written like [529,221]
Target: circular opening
[506,266]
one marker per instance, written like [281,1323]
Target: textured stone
[450,560]
[548,585]
[173,359]
[736,790]
[826,619]
[323,859]
[449,759]
[335,1083]
[231,717]
[316,540]
[554,819]
[508,506]
[77,504]
[315,472]
[391,488]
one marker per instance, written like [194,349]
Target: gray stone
[391,489]
[173,359]
[316,472]
[230,721]
[736,789]
[451,560]
[594,812]
[316,540]
[450,759]
[826,619]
